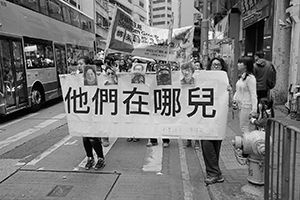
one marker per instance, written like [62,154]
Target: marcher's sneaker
[100,164]
[214,179]
[129,139]
[187,144]
[150,144]
[105,142]
[136,139]
[197,144]
[90,163]
[166,144]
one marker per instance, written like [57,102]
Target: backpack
[271,81]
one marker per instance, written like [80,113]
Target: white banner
[146,109]
[138,39]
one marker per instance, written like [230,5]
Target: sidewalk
[235,174]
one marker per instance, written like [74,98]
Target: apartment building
[160,13]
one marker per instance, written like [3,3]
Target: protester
[245,97]
[123,66]
[198,65]
[211,148]
[91,143]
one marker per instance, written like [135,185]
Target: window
[142,18]
[66,14]
[55,10]
[102,22]
[169,8]
[159,1]
[159,23]
[141,4]
[32,4]
[75,17]
[159,16]
[44,7]
[169,15]
[38,53]
[86,23]
[159,8]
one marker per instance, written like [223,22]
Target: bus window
[66,14]
[61,63]
[32,4]
[44,7]
[38,53]
[75,18]
[55,10]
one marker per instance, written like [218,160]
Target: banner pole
[170,35]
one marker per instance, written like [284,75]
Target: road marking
[50,150]
[187,187]
[29,131]
[153,159]
[105,151]
[16,121]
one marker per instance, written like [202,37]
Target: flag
[171,29]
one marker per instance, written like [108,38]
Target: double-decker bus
[39,39]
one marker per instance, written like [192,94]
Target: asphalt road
[39,158]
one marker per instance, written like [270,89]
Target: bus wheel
[36,99]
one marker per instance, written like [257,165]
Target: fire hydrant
[250,150]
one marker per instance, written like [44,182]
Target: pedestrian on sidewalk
[91,143]
[245,97]
[211,148]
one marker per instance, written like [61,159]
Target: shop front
[257,27]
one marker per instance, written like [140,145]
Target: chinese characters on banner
[136,38]
[148,110]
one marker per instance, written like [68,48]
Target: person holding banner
[211,148]
[90,143]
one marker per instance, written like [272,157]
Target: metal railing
[282,159]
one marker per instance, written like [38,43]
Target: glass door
[12,71]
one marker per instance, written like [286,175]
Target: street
[39,160]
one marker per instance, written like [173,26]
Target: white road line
[29,131]
[187,187]
[18,120]
[105,151]
[153,159]
[50,150]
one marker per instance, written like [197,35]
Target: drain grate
[60,191]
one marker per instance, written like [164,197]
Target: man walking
[262,68]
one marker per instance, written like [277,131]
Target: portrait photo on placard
[163,74]
[89,75]
[187,71]
[111,76]
[138,72]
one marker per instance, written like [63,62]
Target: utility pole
[204,34]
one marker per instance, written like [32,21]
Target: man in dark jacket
[261,68]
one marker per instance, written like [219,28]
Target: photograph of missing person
[163,74]
[187,70]
[138,71]
[89,75]
[112,78]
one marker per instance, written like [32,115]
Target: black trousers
[262,94]
[91,143]
[211,154]
[154,140]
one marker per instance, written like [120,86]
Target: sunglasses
[110,73]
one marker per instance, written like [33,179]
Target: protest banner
[148,110]
[138,39]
